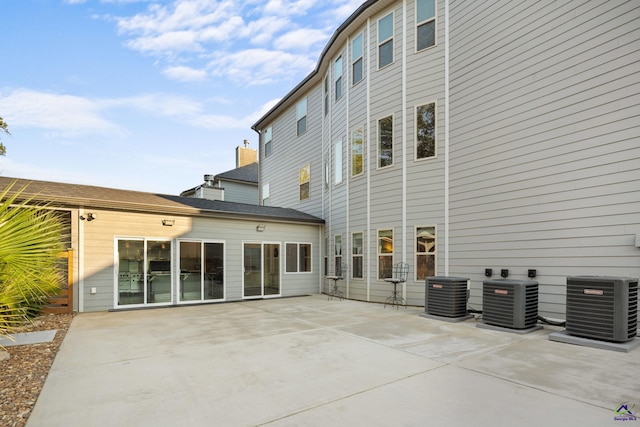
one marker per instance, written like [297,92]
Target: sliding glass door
[261,264]
[144,274]
[201,271]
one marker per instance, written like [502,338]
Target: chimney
[245,155]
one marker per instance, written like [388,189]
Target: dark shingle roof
[86,196]
[248,173]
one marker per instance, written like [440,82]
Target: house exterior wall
[536,169]
[239,192]
[544,142]
[97,244]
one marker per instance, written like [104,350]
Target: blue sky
[148,95]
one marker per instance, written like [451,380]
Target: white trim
[446,137]
[393,140]
[415,130]
[392,39]
[81,262]
[417,24]
[177,271]
[416,253]
[404,142]
[365,161]
[285,272]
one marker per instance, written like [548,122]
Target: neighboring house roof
[247,174]
[87,196]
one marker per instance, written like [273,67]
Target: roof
[359,17]
[87,196]
[247,173]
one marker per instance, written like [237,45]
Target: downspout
[404,141]
[366,168]
[446,137]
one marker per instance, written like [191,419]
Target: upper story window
[385,41]
[425,24]
[326,95]
[357,144]
[338,76]
[327,173]
[357,69]
[266,140]
[426,131]
[385,142]
[301,117]
[338,163]
[305,178]
[266,195]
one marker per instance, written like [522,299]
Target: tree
[3,128]
[30,242]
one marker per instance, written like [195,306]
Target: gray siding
[239,192]
[544,142]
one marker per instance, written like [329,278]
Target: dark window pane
[357,71]
[426,131]
[292,259]
[426,35]
[385,54]
[302,125]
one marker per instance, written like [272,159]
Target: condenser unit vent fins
[510,303]
[446,296]
[602,308]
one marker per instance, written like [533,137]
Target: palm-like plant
[30,241]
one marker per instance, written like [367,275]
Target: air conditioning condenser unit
[510,303]
[446,297]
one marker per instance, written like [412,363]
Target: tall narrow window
[425,23]
[326,95]
[266,195]
[338,77]
[385,40]
[385,253]
[327,173]
[356,59]
[356,152]
[385,142]
[266,137]
[356,256]
[305,178]
[326,255]
[337,254]
[338,162]
[426,131]
[425,252]
[301,117]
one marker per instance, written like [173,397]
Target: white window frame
[360,255]
[298,270]
[384,254]
[360,131]
[426,21]
[203,242]
[435,131]
[339,162]
[337,77]
[327,93]
[267,141]
[337,254]
[379,142]
[301,182]
[432,253]
[390,39]
[356,59]
[301,114]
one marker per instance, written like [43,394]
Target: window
[144,271]
[202,270]
[385,41]
[326,255]
[327,173]
[266,138]
[385,142]
[266,194]
[356,152]
[301,117]
[356,59]
[337,239]
[298,257]
[385,253]
[425,252]
[305,176]
[326,95]
[338,77]
[426,131]
[356,256]
[425,24]
[338,163]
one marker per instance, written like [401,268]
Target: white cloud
[303,38]
[289,7]
[66,115]
[185,74]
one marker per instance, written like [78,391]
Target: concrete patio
[308,361]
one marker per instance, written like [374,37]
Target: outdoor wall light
[90,217]
[168,222]
[531,273]
[260,228]
[504,272]
[488,272]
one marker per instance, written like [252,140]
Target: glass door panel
[214,270]
[158,272]
[271,269]
[190,271]
[130,272]
[252,269]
